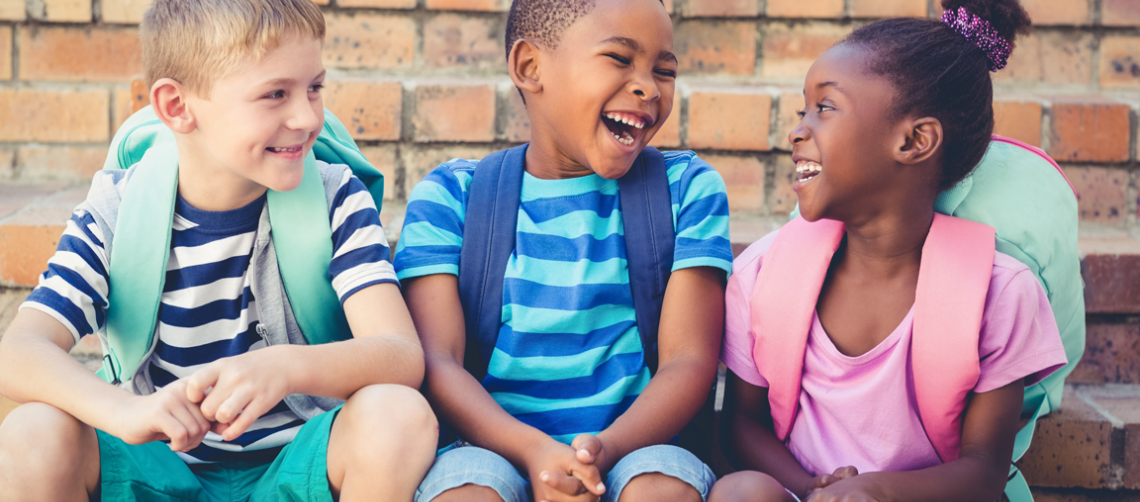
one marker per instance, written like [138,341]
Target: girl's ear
[523,67]
[168,97]
[921,140]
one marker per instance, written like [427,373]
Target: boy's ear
[920,140]
[523,66]
[168,97]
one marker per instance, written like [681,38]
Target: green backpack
[301,234]
[1024,195]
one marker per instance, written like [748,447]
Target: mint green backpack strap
[138,260]
[335,146]
[304,251]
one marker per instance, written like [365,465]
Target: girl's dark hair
[939,73]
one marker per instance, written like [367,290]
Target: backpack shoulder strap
[488,241]
[783,303]
[138,269]
[335,146]
[647,216]
[958,257]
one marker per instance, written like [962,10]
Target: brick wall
[420,81]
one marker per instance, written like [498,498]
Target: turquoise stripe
[444,268]
[568,273]
[573,225]
[536,188]
[677,168]
[703,262]
[703,185]
[557,368]
[431,191]
[704,229]
[426,234]
[539,320]
[516,404]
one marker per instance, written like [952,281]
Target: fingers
[821,481]
[198,384]
[845,472]
[568,485]
[590,477]
[193,429]
[252,411]
[587,447]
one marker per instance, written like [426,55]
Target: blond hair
[195,42]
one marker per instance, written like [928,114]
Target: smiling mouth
[289,149]
[626,128]
[807,169]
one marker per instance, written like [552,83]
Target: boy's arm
[463,403]
[979,472]
[384,349]
[692,320]
[35,366]
[748,439]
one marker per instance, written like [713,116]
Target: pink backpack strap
[957,261]
[783,303]
[1036,151]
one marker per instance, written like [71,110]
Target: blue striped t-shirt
[569,358]
[208,310]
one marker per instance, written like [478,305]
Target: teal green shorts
[152,471]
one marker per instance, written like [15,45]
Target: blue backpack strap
[647,215]
[488,241]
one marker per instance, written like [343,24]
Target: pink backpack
[957,261]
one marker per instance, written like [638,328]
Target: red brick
[13,10]
[787,118]
[1071,447]
[1112,355]
[783,197]
[518,122]
[455,112]
[384,158]
[79,54]
[368,40]
[729,8]
[744,178]
[789,50]
[1120,62]
[1020,120]
[321,2]
[122,108]
[711,47]
[64,11]
[479,5]
[124,11]
[1120,12]
[1101,193]
[378,4]
[1093,131]
[1112,283]
[140,93]
[1051,57]
[888,8]
[669,135]
[53,116]
[370,110]
[729,119]
[1057,12]
[802,8]
[456,41]
[420,161]
[73,164]
[5,53]
[27,240]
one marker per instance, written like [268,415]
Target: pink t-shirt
[862,410]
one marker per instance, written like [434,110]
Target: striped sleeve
[74,288]
[361,257]
[700,202]
[432,237]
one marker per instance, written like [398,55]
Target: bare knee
[469,493]
[390,410]
[750,486]
[41,444]
[656,486]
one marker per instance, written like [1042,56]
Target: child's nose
[305,116]
[799,134]
[645,88]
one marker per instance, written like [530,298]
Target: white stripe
[77,264]
[74,296]
[222,329]
[362,237]
[174,369]
[352,203]
[181,223]
[362,274]
[194,297]
[211,252]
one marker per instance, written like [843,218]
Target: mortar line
[1116,422]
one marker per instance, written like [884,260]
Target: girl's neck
[889,244]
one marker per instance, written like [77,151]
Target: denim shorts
[473,465]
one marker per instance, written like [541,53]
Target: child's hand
[825,480]
[557,475]
[166,414]
[233,392]
[851,489]
[590,449]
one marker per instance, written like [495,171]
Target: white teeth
[625,120]
[284,150]
[809,167]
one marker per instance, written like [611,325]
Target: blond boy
[238,81]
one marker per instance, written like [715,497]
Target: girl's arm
[747,436]
[979,473]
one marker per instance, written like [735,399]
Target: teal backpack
[301,234]
[1021,192]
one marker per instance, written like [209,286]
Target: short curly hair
[543,21]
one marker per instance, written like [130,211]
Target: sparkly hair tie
[982,33]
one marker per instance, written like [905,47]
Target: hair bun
[1007,17]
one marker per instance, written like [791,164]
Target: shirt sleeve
[74,289]
[701,214]
[1019,337]
[432,237]
[739,340]
[361,256]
